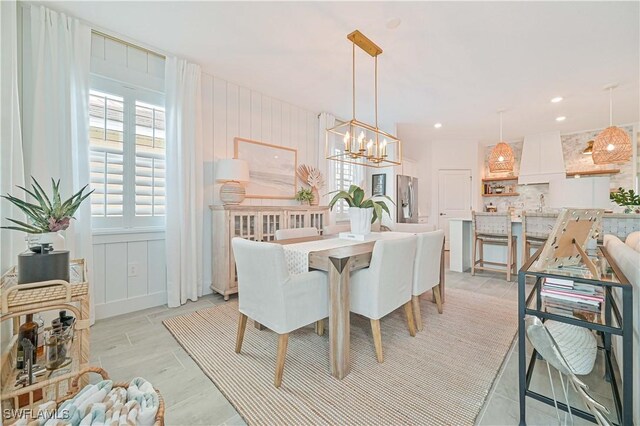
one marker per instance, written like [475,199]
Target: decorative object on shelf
[567,242]
[234,173]
[312,177]
[501,158]
[628,199]
[272,169]
[612,145]
[491,208]
[305,196]
[49,216]
[362,212]
[589,149]
[379,184]
[45,261]
[499,189]
[357,142]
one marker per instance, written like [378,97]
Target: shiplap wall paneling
[115,261]
[157,270]
[99,274]
[115,291]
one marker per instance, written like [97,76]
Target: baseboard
[125,306]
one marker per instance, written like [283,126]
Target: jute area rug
[441,376]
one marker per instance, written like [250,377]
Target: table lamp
[233,173]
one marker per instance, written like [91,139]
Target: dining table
[339,258]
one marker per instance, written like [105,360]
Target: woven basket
[74,388]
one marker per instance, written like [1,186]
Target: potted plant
[362,212]
[305,195]
[627,199]
[312,177]
[48,215]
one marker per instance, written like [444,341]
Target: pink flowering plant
[45,214]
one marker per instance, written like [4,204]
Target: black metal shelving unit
[614,323]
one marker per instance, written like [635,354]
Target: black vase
[45,266]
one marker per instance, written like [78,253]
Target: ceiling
[451,62]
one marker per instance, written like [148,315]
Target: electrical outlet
[133,269]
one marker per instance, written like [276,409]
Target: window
[344,178]
[127,143]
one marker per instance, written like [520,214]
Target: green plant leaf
[32,229]
[38,189]
[358,196]
[341,195]
[377,213]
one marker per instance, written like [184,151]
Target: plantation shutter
[106,138]
[149,160]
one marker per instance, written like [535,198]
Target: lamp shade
[231,169]
[501,158]
[583,193]
[612,145]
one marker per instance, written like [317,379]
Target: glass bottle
[28,330]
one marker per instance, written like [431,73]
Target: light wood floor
[137,344]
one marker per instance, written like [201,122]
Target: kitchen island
[461,243]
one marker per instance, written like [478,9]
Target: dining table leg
[339,309]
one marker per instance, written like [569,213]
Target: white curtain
[11,161]
[329,167]
[326,167]
[184,180]
[56,60]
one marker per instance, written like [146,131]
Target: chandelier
[612,145]
[501,158]
[357,142]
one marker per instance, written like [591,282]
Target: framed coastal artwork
[272,169]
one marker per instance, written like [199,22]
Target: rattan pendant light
[612,145]
[501,157]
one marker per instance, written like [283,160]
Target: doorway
[454,198]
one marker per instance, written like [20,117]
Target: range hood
[542,159]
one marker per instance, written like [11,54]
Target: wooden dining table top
[359,253]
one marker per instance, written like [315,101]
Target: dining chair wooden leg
[377,339]
[408,310]
[436,291]
[283,341]
[415,301]
[320,327]
[481,252]
[242,325]
[509,260]
[473,255]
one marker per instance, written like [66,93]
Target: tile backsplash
[572,146]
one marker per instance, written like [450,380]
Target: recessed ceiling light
[393,23]
[437,125]
[561,118]
[556,99]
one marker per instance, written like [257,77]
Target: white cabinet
[252,223]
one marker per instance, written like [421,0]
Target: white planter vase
[55,239]
[360,220]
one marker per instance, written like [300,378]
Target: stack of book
[565,297]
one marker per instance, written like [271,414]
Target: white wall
[231,110]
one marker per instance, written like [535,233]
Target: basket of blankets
[105,403]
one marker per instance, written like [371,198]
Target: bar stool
[536,227]
[493,229]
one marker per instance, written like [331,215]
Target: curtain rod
[126,43]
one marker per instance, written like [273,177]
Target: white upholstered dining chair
[427,270]
[385,285]
[268,294]
[285,234]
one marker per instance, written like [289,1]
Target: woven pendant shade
[501,158]
[612,145]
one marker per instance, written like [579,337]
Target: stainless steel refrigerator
[406,199]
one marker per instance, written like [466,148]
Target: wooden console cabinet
[257,223]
